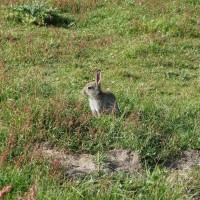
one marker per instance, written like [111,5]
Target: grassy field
[149,53]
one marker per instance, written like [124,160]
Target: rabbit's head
[92,89]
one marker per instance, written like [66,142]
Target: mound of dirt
[80,164]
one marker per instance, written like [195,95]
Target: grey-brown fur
[100,102]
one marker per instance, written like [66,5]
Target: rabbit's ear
[98,77]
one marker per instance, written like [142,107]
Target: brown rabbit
[100,102]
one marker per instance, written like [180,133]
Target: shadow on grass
[58,21]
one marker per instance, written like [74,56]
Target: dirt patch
[79,164]
[181,168]
[186,161]
[116,160]
[123,160]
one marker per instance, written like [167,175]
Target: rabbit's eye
[89,88]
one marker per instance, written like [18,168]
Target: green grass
[149,54]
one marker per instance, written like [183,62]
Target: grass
[149,55]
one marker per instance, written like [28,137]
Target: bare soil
[186,161]
[182,167]
[82,164]
[116,160]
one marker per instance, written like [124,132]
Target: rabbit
[100,102]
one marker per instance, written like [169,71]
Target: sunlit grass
[149,56]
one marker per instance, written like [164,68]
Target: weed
[38,14]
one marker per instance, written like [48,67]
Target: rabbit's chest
[94,105]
